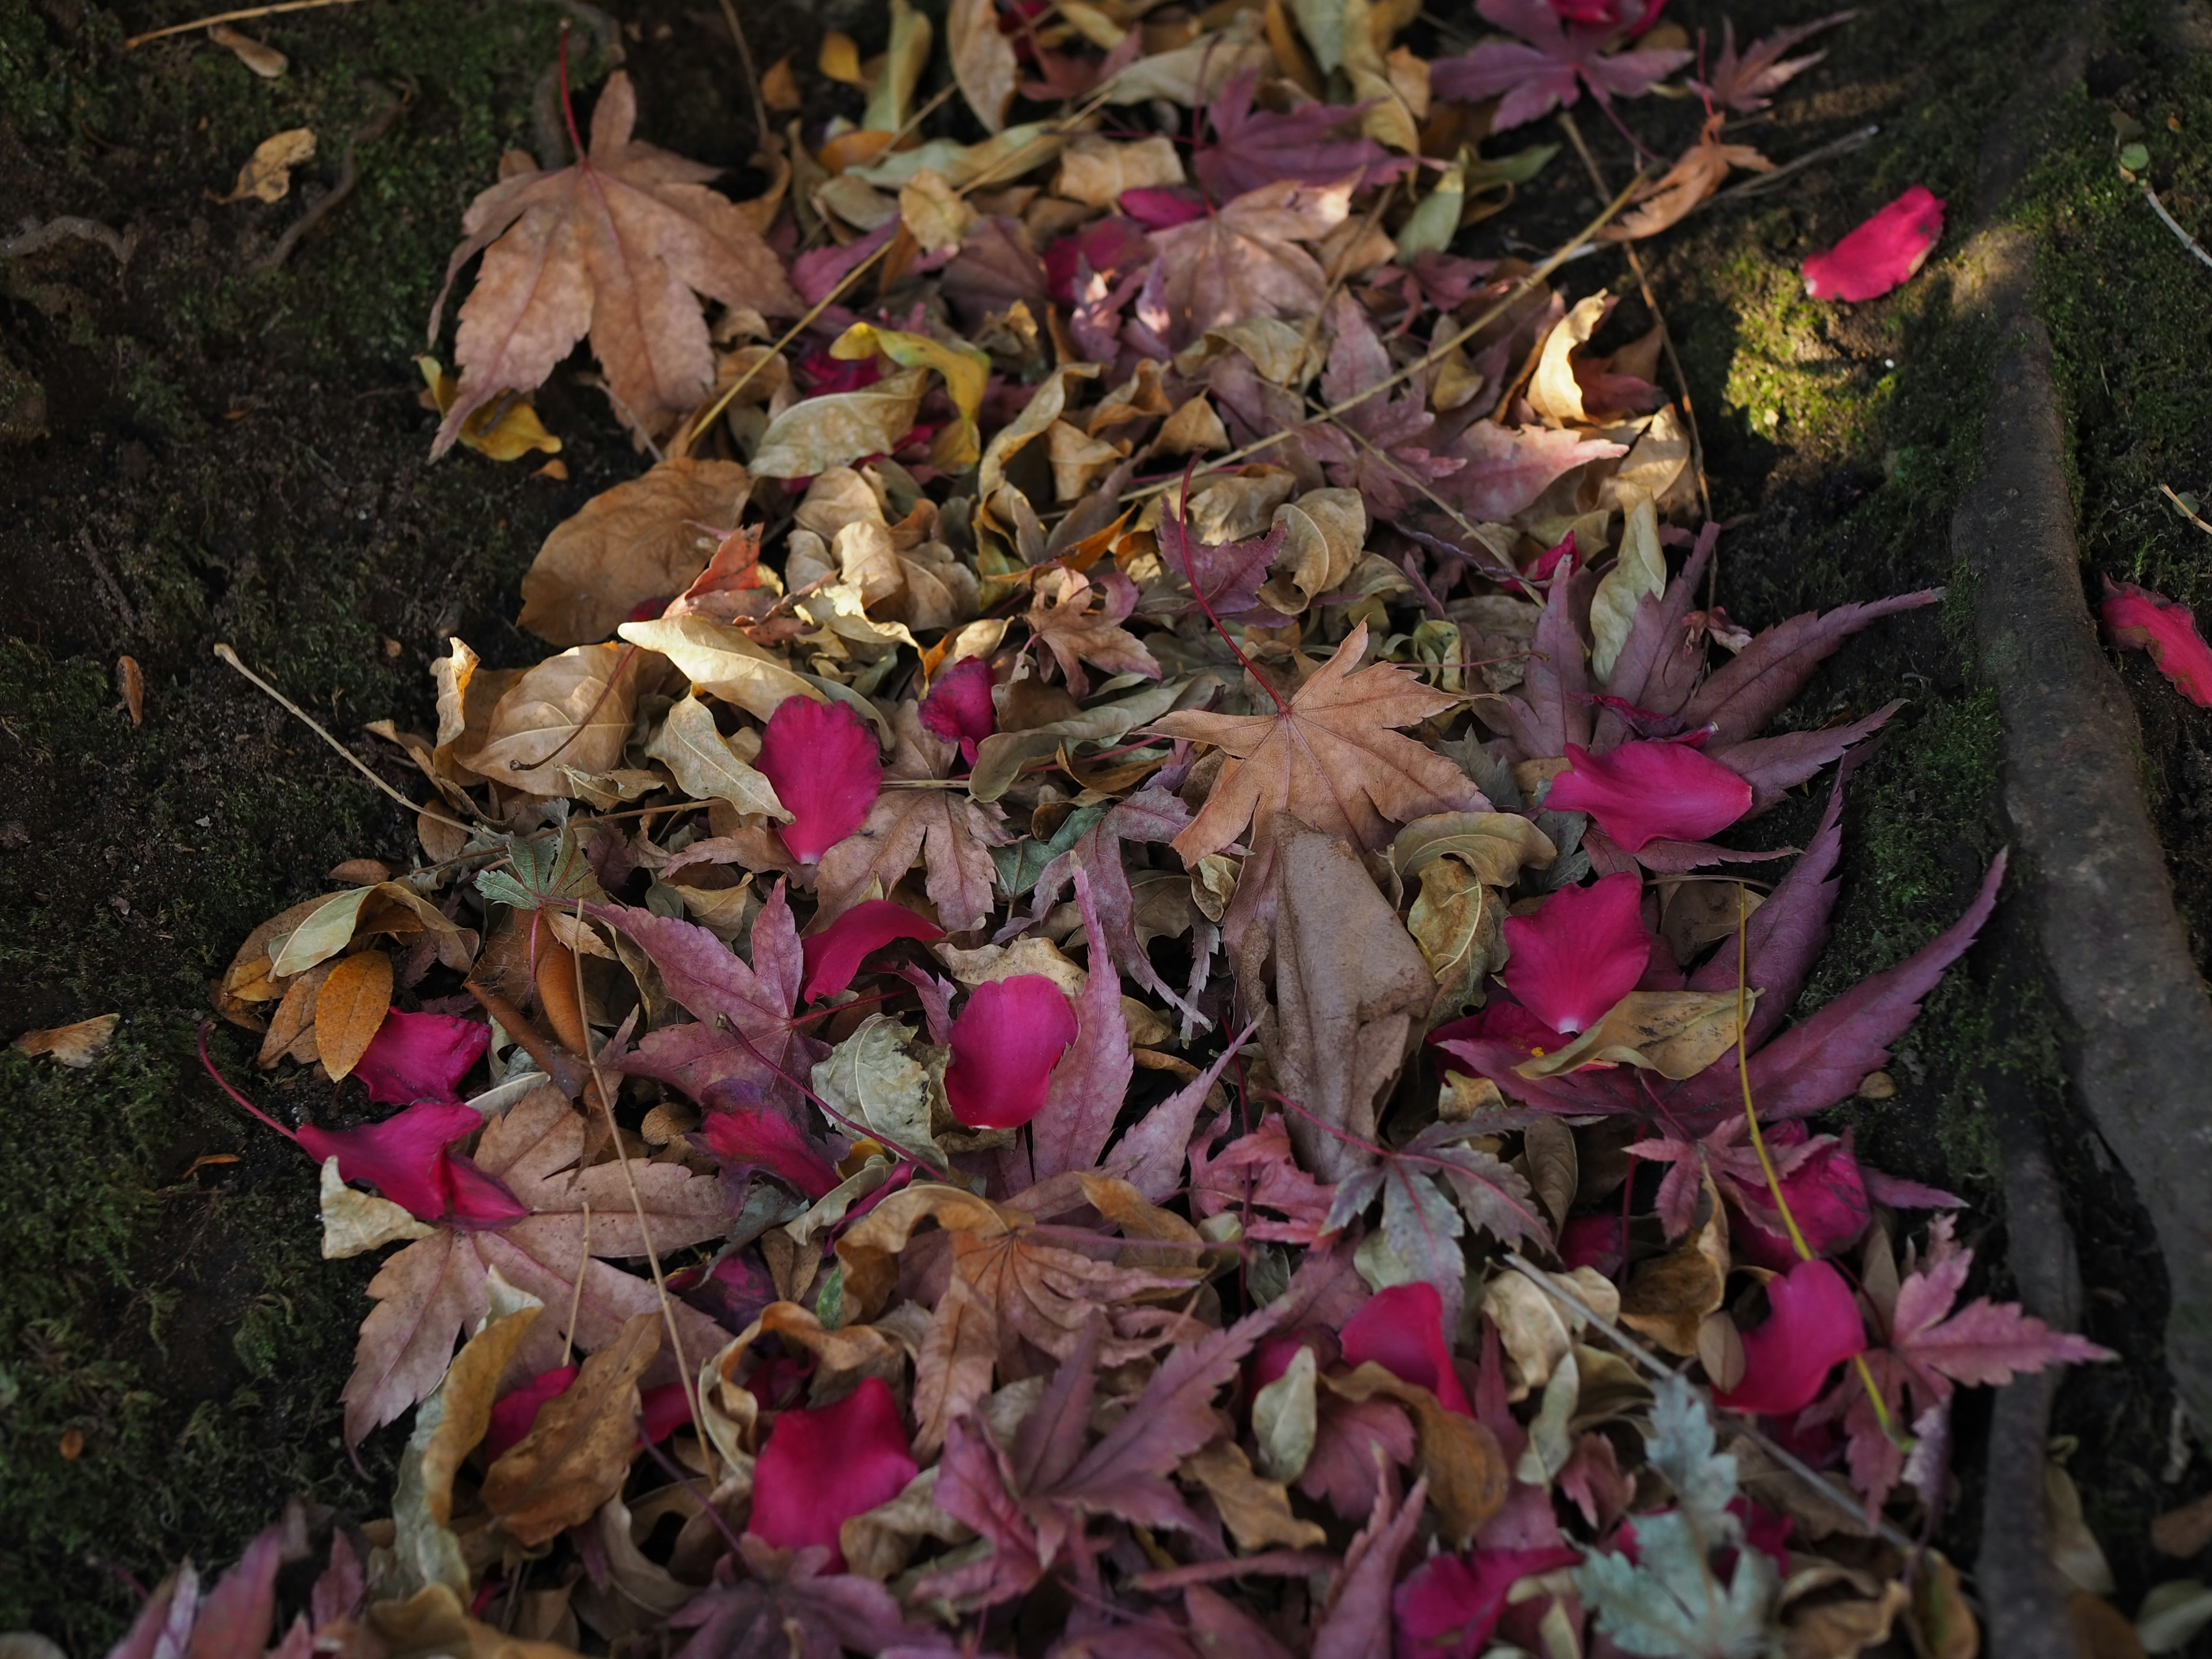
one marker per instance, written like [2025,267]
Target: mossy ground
[236,454]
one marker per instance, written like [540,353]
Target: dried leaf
[267,175]
[813,435]
[645,539]
[983,61]
[574,1458]
[706,766]
[76,1046]
[349,1007]
[264,61]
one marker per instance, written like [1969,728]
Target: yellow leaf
[839,59]
[350,1010]
[965,369]
[267,175]
[1676,1034]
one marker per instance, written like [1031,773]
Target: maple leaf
[1749,80]
[1224,577]
[1080,621]
[1419,1183]
[1557,61]
[1330,759]
[1257,1169]
[429,1293]
[1392,465]
[1243,261]
[789,1606]
[1252,147]
[741,1048]
[948,829]
[1506,468]
[1696,175]
[615,246]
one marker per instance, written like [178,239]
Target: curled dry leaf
[267,175]
[76,1046]
[645,540]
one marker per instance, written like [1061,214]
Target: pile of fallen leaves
[1097,1006]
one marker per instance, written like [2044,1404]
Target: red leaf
[1641,792]
[1403,1330]
[1553,68]
[821,1467]
[1449,1605]
[754,1136]
[1881,254]
[1004,1044]
[1084,1094]
[1582,951]
[405,1158]
[821,759]
[2138,619]
[1813,1327]
[834,954]
[1255,147]
[420,1057]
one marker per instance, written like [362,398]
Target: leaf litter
[1037,1032]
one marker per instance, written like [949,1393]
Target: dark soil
[194,449]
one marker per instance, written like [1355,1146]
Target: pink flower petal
[403,1158]
[1882,252]
[477,1201]
[821,759]
[421,1057]
[1403,1330]
[757,1138]
[1813,1326]
[1447,1608]
[1003,1045]
[1640,793]
[661,1412]
[2138,619]
[514,1413]
[1593,1241]
[1499,1021]
[958,707]
[833,955]
[1580,953]
[821,1467]
[1827,1195]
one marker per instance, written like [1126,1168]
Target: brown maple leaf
[615,246]
[1329,758]
[1080,621]
[1245,261]
[951,831]
[1697,175]
[646,539]
[429,1293]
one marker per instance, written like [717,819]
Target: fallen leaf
[2138,619]
[570,712]
[1245,261]
[264,61]
[74,1046]
[983,60]
[951,831]
[646,538]
[350,1008]
[130,682]
[1747,82]
[505,430]
[817,434]
[615,246]
[706,766]
[1550,65]
[575,1457]
[267,175]
[1079,620]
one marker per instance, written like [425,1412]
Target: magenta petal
[421,1057]
[514,1413]
[661,1412]
[821,1467]
[1827,1196]
[2138,619]
[1004,1045]
[1640,793]
[1812,1326]
[477,1201]
[1447,1608]
[1882,252]
[821,759]
[958,707]
[403,1158]
[1164,207]
[755,1137]
[833,956]
[1403,1330]
[1582,952]
[1500,1021]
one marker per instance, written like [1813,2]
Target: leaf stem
[568,107]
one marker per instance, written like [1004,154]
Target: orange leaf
[351,1008]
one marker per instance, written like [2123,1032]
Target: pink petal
[1593,1241]
[1882,252]
[1640,793]
[1500,1021]
[755,1137]
[821,759]
[821,1467]
[514,1413]
[477,1201]
[1004,1047]
[833,955]
[2139,619]
[1164,207]
[1447,1608]
[403,1158]
[421,1057]
[1580,953]
[1813,1326]
[661,1412]
[1828,1197]
[958,707]
[1403,1330]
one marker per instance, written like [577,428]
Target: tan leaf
[74,1046]
[355,1223]
[647,538]
[615,245]
[723,662]
[946,828]
[1554,392]
[1495,845]
[1078,459]
[264,61]
[1080,621]
[1245,260]
[1094,171]
[936,219]
[1676,1034]
[1286,1419]
[1256,1512]
[572,710]
[267,175]
[705,765]
[880,1541]
[1667,1297]
[817,434]
[1459,925]
[575,1457]
[350,1010]
[1460,1457]
[1640,572]
[983,60]
[1353,992]
[467,1394]
[130,684]
[1695,176]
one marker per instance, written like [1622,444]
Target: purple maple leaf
[1552,69]
[1251,148]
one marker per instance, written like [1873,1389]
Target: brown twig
[752,74]
[34,236]
[137,40]
[2182,507]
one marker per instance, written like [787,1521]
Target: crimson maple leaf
[1932,1346]
[1557,61]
